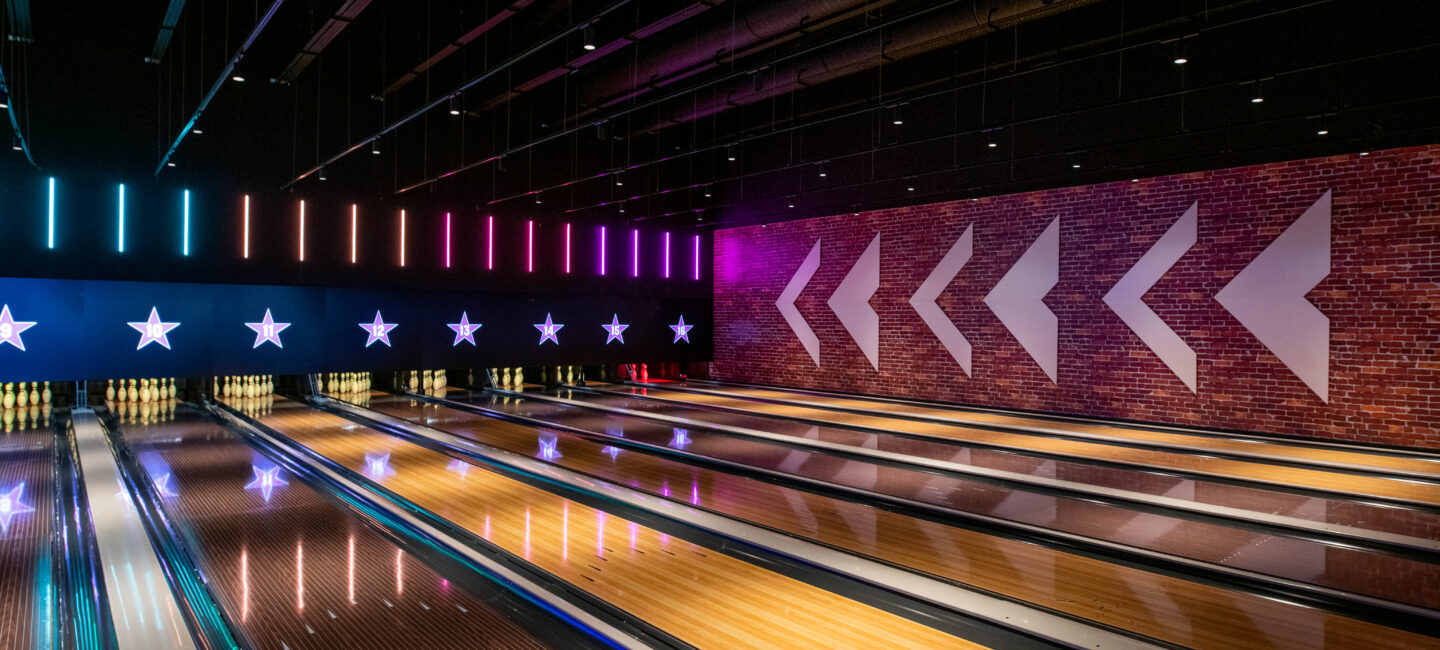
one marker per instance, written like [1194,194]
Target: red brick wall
[1381,297]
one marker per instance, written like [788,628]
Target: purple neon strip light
[697,257]
[447,240]
[602,250]
[667,255]
[490,243]
[634,253]
[530,246]
[567,248]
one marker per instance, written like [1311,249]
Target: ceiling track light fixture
[1258,94]
[823,173]
[622,207]
[375,147]
[730,152]
[707,191]
[322,173]
[895,117]
[537,198]
[587,39]
[454,106]
[619,178]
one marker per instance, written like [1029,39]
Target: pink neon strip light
[529,246]
[447,240]
[302,230]
[567,248]
[667,255]
[402,238]
[245,245]
[697,257]
[354,228]
[602,250]
[634,253]
[489,243]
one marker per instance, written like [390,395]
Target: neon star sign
[10,506]
[266,480]
[548,329]
[378,330]
[153,330]
[10,330]
[464,330]
[682,331]
[267,331]
[459,467]
[550,449]
[615,330]
[378,467]
[162,487]
[681,439]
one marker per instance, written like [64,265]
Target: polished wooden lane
[1317,479]
[1418,466]
[1338,566]
[293,570]
[1165,608]
[700,596]
[26,458]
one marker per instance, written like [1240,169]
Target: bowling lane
[1296,450]
[26,505]
[1408,491]
[1408,522]
[1161,607]
[291,569]
[702,597]
[1331,565]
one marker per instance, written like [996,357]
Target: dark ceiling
[993,96]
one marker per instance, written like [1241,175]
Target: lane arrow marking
[924,300]
[1126,298]
[851,302]
[786,303]
[1018,300]
[1268,297]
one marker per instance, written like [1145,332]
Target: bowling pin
[250,386]
[154,390]
[8,401]
[144,391]
[110,391]
[173,391]
[22,397]
[131,394]
[505,380]
[45,395]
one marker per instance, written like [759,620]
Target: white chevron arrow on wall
[1268,297]
[935,318]
[786,303]
[1126,298]
[851,302]
[1018,300]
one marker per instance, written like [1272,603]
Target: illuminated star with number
[548,330]
[378,467]
[10,506]
[378,330]
[459,467]
[269,331]
[464,331]
[614,330]
[682,331]
[153,331]
[266,480]
[10,329]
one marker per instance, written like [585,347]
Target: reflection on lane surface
[1386,519]
[293,570]
[702,597]
[26,501]
[1081,586]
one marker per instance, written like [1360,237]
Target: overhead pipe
[451,48]
[674,95]
[220,81]
[346,14]
[445,99]
[912,38]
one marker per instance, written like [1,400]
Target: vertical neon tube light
[245,243]
[402,238]
[530,246]
[667,255]
[185,234]
[567,248]
[602,250]
[121,246]
[634,253]
[354,230]
[490,243]
[50,216]
[697,257]
[447,240]
[302,230]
